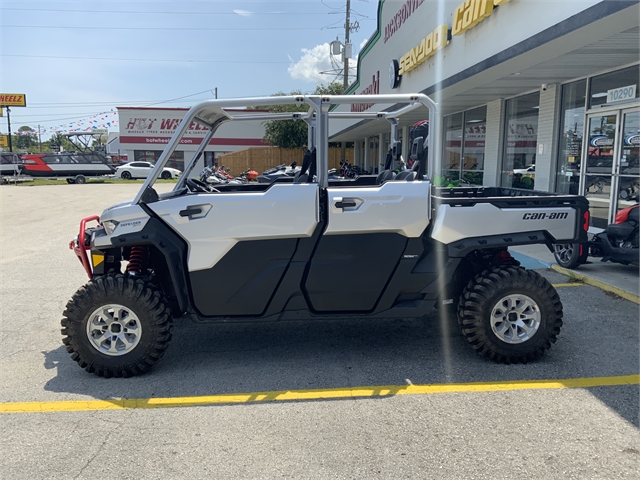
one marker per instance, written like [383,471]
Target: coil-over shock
[137,257]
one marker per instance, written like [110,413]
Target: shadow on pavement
[266,357]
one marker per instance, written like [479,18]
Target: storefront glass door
[610,175]
[629,167]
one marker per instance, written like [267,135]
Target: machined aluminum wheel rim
[515,319]
[114,330]
[564,252]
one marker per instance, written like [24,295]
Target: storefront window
[626,84]
[453,147]
[571,133]
[475,131]
[464,147]
[521,142]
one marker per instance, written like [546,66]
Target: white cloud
[243,13]
[313,62]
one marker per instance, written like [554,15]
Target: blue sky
[77,59]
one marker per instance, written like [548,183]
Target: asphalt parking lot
[331,399]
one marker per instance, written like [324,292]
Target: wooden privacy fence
[263,158]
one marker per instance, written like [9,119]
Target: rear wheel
[510,315]
[116,326]
[126,175]
[570,255]
[80,179]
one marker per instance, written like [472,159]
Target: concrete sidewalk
[623,280]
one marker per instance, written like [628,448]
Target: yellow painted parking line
[597,283]
[316,394]
[558,285]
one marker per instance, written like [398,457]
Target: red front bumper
[79,244]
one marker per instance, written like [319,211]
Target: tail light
[585,225]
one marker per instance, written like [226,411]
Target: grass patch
[36,182]
[573,278]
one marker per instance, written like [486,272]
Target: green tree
[63,141]
[334,88]
[293,133]
[25,140]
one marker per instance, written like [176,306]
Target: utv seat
[409,175]
[387,174]
[302,176]
[308,170]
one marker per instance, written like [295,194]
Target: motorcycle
[617,243]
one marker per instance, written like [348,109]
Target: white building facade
[532,93]
[145,131]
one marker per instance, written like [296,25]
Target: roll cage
[213,113]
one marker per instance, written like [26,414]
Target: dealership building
[532,94]
[145,131]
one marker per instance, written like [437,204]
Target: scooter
[618,243]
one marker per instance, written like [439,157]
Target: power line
[98,113]
[182,60]
[127,12]
[205,29]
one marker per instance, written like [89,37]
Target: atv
[285,250]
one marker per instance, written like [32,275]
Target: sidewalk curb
[596,283]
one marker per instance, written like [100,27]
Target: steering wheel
[199,186]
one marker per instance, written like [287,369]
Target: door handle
[345,204]
[189,211]
[342,203]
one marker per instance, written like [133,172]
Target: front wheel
[510,315]
[116,326]
[570,255]
[165,175]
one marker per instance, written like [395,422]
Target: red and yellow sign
[4,141]
[13,100]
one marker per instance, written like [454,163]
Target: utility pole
[9,127]
[345,77]
[347,28]
[39,140]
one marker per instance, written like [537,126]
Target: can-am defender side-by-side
[288,249]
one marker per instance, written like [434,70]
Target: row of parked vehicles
[76,167]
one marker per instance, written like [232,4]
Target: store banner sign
[13,99]
[466,16]
[620,94]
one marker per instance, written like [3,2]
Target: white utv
[288,249]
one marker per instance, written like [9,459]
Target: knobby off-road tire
[116,326]
[510,315]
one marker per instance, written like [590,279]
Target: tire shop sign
[13,100]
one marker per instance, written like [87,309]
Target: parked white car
[132,170]
[530,170]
